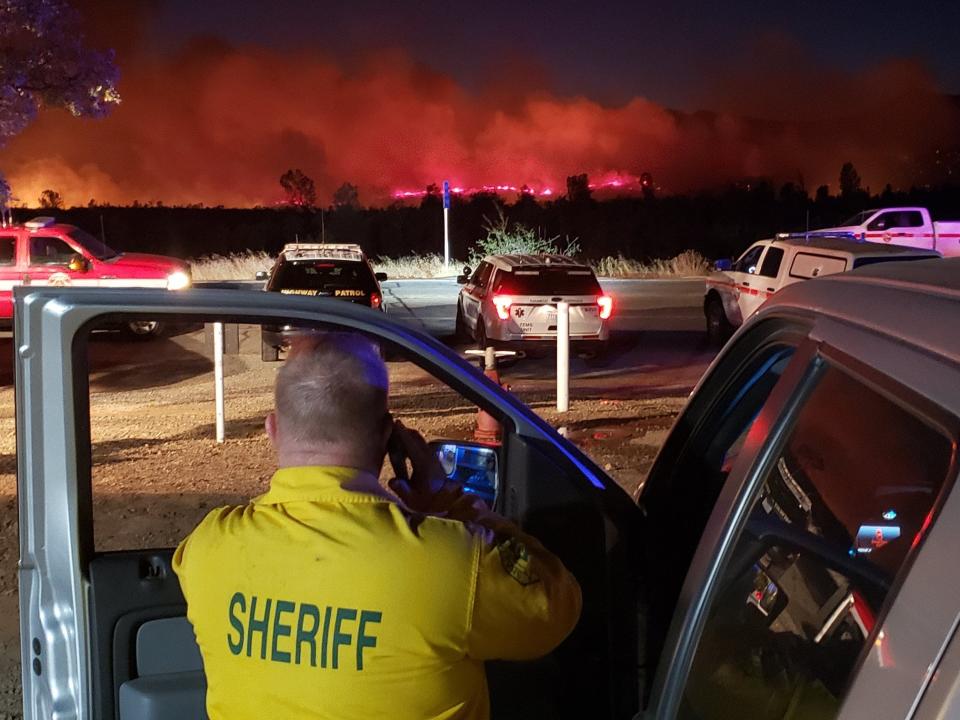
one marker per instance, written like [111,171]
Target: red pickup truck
[44,252]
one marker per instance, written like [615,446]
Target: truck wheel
[144,329]
[718,327]
[268,353]
[481,333]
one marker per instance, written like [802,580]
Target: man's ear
[270,425]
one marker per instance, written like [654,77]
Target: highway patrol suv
[736,289]
[340,271]
[513,299]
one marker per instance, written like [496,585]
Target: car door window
[905,219]
[881,222]
[479,275]
[50,251]
[8,251]
[771,262]
[849,497]
[749,261]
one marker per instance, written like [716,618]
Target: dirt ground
[157,469]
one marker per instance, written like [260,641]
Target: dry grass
[689,263]
[244,266]
[239,266]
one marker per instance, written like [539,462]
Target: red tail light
[503,303]
[375,300]
[606,306]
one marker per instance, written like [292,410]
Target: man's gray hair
[332,389]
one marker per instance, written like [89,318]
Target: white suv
[737,289]
[513,299]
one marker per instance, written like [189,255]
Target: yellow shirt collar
[316,483]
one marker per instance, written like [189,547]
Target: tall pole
[563,357]
[446,224]
[218,378]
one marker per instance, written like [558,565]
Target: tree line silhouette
[643,227]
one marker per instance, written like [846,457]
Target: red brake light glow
[375,300]
[606,306]
[503,303]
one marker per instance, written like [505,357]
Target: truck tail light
[502,303]
[376,300]
[605,302]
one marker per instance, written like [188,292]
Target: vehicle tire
[719,328]
[461,332]
[144,329]
[481,333]
[269,353]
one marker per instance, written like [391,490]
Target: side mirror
[474,466]
[380,276]
[262,275]
[78,263]
[723,265]
[463,279]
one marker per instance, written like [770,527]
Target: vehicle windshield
[99,249]
[859,219]
[548,281]
[323,275]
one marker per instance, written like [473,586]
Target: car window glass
[831,527]
[50,251]
[907,219]
[483,277]
[881,222]
[749,259]
[475,278]
[156,467]
[771,262]
[684,488]
[322,275]
[8,250]
[547,281]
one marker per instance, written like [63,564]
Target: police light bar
[40,222]
[836,234]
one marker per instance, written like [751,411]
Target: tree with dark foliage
[299,188]
[50,200]
[347,196]
[578,188]
[849,181]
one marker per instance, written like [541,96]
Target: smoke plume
[218,124]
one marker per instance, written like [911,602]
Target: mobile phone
[398,457]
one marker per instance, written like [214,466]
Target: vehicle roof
[512,261]
[916,302]
[856,248]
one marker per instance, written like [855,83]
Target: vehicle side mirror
[78,263]
[463,279]
[723,265]
[381,276]
[474,466]
[262,275]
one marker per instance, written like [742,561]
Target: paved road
[673,305]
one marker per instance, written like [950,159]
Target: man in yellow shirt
[329,597]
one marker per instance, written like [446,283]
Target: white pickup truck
[908,226]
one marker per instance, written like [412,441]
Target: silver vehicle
[791,554]
[513,299]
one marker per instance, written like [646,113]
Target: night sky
[669,52]
[221,97]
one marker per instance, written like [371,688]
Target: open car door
[104,633]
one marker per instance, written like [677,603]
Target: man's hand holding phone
[427,489]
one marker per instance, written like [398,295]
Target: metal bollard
[218,379]
[563,357]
